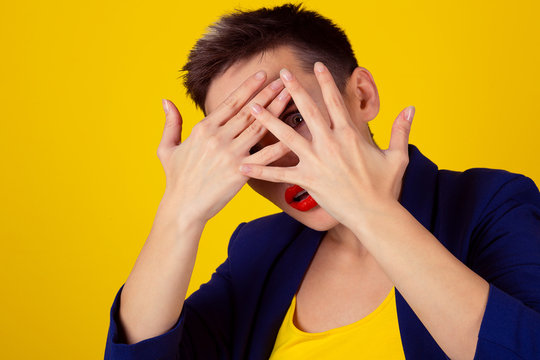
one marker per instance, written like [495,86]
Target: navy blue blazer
[488,218]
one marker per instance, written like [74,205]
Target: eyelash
[288,116]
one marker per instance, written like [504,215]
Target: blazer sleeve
[506,253]
[202,331]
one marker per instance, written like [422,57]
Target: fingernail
[259,75]
[319,67]
[245,169]
[286,74]
[409,113]
[256,108]
[165,104]
[283,94]
[276,84]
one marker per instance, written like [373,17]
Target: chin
[316,218]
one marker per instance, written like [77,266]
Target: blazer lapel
[282,283]
[286,274]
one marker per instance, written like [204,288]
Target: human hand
[201,172]
[342,172]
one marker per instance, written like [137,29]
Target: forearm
[447,296]
[154,293]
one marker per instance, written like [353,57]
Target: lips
[305,204]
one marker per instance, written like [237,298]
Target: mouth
[299,198]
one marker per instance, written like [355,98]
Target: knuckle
[200,128]
[403,158]
[160,152]
[170,122]
[273,153]
[267,93]
[255,128]
[244,113]
[231,101]
[212,142]
[401,127]
[278,174]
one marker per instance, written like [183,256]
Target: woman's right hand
[202,172]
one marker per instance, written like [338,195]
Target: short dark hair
[242,34]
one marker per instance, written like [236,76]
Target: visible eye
[294,119]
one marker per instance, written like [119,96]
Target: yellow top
[376,336]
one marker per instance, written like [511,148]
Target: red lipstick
[300,202]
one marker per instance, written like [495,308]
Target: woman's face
[272,62]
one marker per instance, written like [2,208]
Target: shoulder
[482,189]
[267,234]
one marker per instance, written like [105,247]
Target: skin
[356,184]
[272,62]
[202,176]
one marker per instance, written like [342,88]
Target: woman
[377,253]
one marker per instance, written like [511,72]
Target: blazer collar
[418,197]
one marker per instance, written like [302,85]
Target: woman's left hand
[339,168]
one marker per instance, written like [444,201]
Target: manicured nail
[256,108]
[286,74]
[165,104]
[260,75]
[409,113]
[283,94]
[319,67]
[276,84]
[245,169]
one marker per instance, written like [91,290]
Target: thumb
[399,138]
[173,125]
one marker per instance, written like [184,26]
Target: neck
[344,238]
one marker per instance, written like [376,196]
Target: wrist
[178,211]
[365,221]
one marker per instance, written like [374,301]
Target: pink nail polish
[276,84]
[256,108]
[245,169]
[409,113]
[283,94]
[165,105]
[319,67]
[286,74]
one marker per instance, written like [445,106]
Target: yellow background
[81,119]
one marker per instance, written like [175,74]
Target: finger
[270,173]
[283,132]
[256,131]
[240,121]
[173,126]
[399,138]
[339,115]
[316,123]
[279,104]
[268,154]
[237,99]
